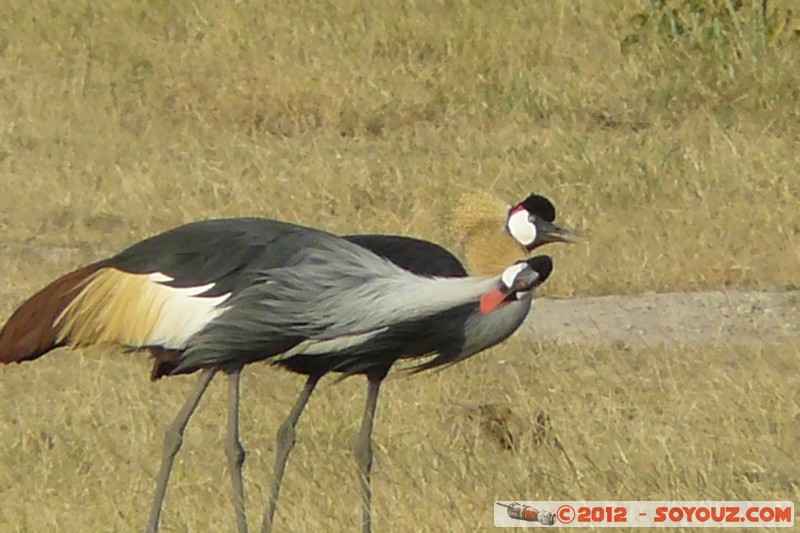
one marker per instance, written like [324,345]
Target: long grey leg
[172,443]
[364,446]
[235,451]
[285,442]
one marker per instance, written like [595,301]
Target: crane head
[490,234]
[518,280]
[531,223]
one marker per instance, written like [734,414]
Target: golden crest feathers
[483,242]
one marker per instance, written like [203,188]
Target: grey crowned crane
[217,295]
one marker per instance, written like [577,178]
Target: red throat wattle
[491,301]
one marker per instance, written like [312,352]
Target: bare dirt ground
[692,319]
[696,319]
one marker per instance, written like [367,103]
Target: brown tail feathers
[34,329]
[31,331]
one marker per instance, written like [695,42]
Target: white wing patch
[137,310]
[158,277]
[183,312]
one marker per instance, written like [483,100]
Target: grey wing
[323,299]
[228,253]
[331,296]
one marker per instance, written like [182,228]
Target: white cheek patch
[521,228]
[510,274]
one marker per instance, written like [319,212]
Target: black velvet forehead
[540,206]
[543,264]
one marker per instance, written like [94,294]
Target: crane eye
[510,277]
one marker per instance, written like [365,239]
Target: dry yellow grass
[83,431]
[680,165]
[677,161]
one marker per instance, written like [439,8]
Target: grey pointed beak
[549,233]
